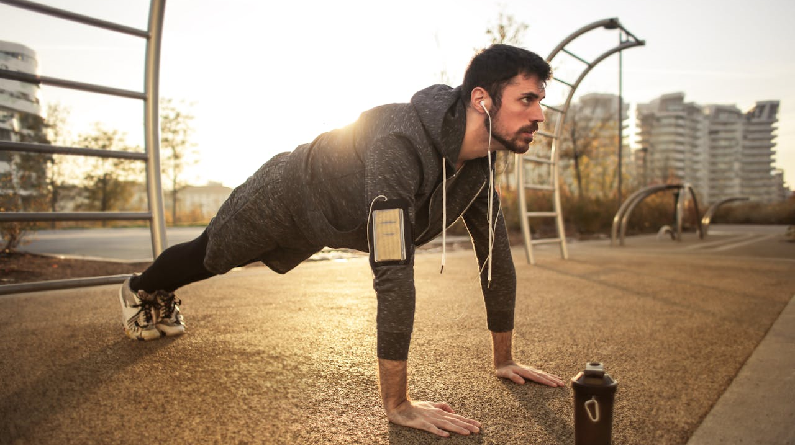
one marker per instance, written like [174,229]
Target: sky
[262,77]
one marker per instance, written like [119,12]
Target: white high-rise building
[718,149]
[673,140]
[18,100]
[20,121]
[757,170]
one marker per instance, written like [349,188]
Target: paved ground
[290,359]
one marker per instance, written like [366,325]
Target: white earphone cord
[491,222]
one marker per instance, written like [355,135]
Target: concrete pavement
[290,359]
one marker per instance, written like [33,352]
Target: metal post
[152,126]
[620,113]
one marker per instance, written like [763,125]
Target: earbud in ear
[483,105]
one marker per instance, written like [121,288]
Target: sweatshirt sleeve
[500,296]
[393,174]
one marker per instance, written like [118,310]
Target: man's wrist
[502,348]
[392,376]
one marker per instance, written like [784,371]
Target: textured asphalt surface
[291,359]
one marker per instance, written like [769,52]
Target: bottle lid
[594,377]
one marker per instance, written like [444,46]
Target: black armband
[389,233]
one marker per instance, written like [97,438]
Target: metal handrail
[706,220]
[150,96]
[73,216]
[8,289]
[74,17]
[71,84]
[31,147]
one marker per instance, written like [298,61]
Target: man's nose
[538,114]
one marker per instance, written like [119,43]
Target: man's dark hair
[492,68]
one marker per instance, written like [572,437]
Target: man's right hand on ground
[437,418]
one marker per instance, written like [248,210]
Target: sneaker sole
[141,337]
[170,331]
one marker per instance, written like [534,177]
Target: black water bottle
[594,393]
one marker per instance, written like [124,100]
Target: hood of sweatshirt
[442,114]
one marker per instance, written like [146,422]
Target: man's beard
[516,143]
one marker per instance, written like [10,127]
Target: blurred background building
[720,150]
[22,176]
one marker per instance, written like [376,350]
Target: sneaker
[138,311]
[169,319]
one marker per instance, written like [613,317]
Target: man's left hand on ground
[519,373]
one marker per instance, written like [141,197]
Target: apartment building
[718,149]
[21,176]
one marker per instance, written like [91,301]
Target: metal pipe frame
[73,216]
[63,83]
[150,96]
[611,23]
[152,127]
[706,220]
[31,147]
[9,289]
[74,17]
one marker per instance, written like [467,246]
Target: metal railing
[553,161]
[151,156]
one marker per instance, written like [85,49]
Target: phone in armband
[390,232]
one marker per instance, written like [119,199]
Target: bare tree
[23,186]
[61,166]
[175,142]
[507,30]
[585,136]
[107,183]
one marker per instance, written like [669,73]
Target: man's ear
[479,100]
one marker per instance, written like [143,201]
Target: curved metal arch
[620,220]
[680,211]
[706,220]
[611,23]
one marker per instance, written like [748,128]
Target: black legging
[177,266]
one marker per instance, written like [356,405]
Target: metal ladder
[626,40]
[151,156]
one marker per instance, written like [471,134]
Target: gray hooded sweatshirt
[320,195]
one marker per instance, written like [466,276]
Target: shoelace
[167,303]
[144,315]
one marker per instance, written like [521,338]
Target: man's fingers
[516,378]
[437,418]
[443,406]
[457,419]
[519,374]
[455,426]
[431,428]
[536,376]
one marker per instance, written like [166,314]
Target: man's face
[516,121]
